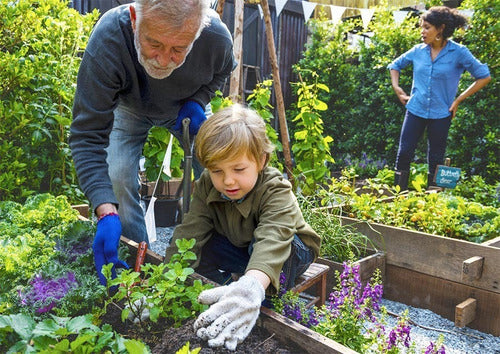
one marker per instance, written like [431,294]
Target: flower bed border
[439,273]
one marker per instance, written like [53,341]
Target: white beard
[152,67]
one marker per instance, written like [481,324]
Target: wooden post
[234,86]
[465,312]
[472,268]
[220,7]
[82,209]
[278,91]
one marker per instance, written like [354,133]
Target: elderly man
[153,62]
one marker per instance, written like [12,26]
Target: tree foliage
[40,45]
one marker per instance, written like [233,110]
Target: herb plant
[162,292]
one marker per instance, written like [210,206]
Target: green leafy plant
[46,258]
[186,350]
[475,188]
[29,235]
[219,102]
[339,242]
[40,51]
[20,333]
[154,151]
[436,213]
[162,291]
[311,148]
[259,101]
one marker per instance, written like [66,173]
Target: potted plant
[168,189]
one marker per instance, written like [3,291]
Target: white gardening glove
[234,311]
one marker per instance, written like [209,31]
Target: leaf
[21,324]
[79,323]
[154,313]
[49,327]
[125,313]
[134,346]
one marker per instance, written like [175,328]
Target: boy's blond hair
[232,132]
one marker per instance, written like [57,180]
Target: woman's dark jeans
[411,132]
[220,258]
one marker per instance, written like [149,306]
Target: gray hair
[175,12]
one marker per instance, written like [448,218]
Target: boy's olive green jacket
[269,213]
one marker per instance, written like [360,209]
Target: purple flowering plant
[353,316]
[288,304]
[45,293]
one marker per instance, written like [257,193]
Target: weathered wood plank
[438,256]
[472,268]
[441,296]
[307,340]
[83,209]
[465,312]
[493,242]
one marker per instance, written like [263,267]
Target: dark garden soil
[162,338]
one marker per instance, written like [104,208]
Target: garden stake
[140,257]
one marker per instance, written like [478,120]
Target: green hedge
[40,45]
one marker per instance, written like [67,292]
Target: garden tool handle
[188,160]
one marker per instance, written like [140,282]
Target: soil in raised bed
[163,338]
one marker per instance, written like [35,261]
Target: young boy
[246,220]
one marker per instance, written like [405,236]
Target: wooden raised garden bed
[284,329]
[456,279]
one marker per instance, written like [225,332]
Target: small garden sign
[446,176]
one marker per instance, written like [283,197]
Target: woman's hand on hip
[402,96]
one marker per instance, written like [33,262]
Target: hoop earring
[438,38]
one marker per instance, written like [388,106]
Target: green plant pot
[167,210]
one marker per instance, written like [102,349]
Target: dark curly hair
[442,15]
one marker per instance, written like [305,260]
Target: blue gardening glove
[193,111]
[105,245]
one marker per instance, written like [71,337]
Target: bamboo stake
[220,7]
[277,90]
[234,85]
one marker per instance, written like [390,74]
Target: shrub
[40,44]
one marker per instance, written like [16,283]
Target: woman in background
[438,63]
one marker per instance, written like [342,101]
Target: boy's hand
[234,311]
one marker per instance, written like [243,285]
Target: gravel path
[456,340]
